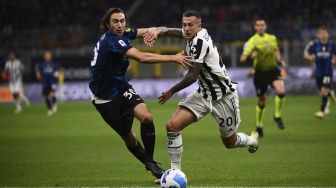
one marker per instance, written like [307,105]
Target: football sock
[175,149]
[244,140]
[18,104]
[278,104]
[53,100]
[25,99]
[48,103]
[148,139]
[138,152]
[324,103]
[259,116]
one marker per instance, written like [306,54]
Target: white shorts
[15,87]
[225,110]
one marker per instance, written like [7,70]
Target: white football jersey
[15,69]
[214,82]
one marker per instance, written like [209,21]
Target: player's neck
[261,34]
[323,41]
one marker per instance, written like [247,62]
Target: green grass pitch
[76,148]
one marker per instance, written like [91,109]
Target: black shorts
[325,81]
[47,90]
[262,79]
[118,113]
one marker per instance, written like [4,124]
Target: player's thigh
[279,86]
[131,100]
[142,112]
[260,83]
[118,118]
[191,108]
[227,114]
[181,119]
[15,87]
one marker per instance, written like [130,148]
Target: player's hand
[150,36]
[184,60]
[165,96]
[250,73]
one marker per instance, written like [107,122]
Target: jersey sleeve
[131,33]
[249,46]
[7,66]
[310,47]
[198,50]
[275,42]
[333,48]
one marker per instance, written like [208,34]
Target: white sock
[175,148]
[244,140]
[25,99]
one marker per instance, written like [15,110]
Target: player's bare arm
[243,58]
[190,78]
[146,57]
[279,59]
[37,73]
[308,56]
[152,33]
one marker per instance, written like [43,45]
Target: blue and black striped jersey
[109,64]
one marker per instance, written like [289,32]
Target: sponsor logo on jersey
[122,43]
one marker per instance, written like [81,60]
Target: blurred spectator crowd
[74,23]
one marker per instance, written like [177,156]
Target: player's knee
[281,95]
[172,126]
[15,96]
[146,118]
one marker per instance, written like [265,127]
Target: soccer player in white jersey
[216,93]
[14,68]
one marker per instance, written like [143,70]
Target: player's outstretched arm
[152,33]
[145,57]
[189,78]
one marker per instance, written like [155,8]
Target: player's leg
[279,87]
[181,119]
[131,100]
[23,96]
[227,114]
[324,91]
[121,121]
[53,99]
[17,102]
[16,96]
[324,85]
[45,94]
[261,88]
[147,129]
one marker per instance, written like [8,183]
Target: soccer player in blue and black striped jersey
[112,95]
[47,72]
[323,52]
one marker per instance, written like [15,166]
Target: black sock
[48,102]
[148,139]
[324,103]
[138,152]
[53,100]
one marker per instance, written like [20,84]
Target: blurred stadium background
[70,30]
[75,147]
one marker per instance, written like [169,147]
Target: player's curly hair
[104,23]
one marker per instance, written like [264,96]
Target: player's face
[47,56]
[323,35]
[12,56]
[191,25]
[117,23]
[260,27]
